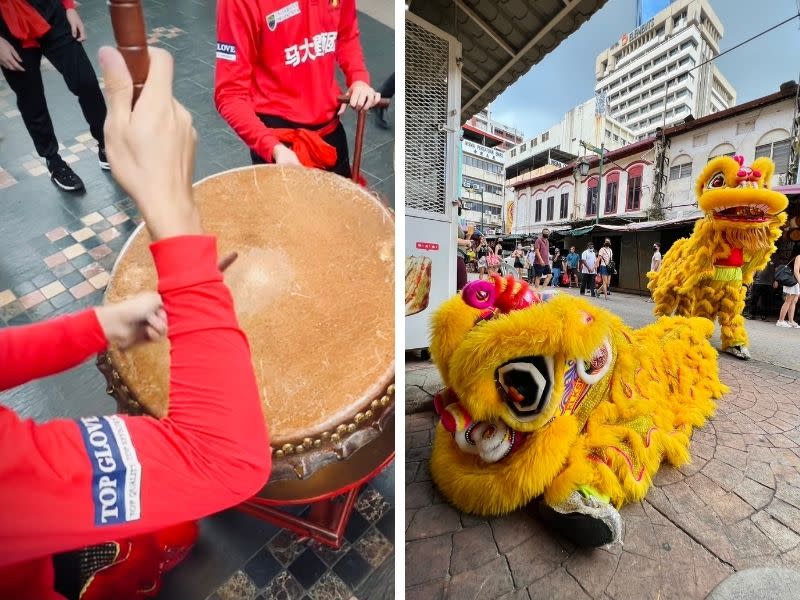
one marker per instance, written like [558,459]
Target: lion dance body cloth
[560,399]
[705,275]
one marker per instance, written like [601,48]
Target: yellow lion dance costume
[705,275]
[561,399]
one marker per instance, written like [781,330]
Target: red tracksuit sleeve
[48,348]
[72,483]
[237,52]
[349,54]
[68,4]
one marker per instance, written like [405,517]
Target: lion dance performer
[581,413]
[706,274]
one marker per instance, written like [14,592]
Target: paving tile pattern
[736,506]
[293,569]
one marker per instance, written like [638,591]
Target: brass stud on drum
[385,400]
[335,437]
[369,414]
[287,448]
[390,389]
[326,435]
[278,453]
[300,448]
[359,418]
[317,443]
[351,428]
[308,442]
[341,428]
[375,403]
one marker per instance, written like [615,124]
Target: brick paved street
[736,506]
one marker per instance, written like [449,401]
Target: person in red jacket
[69,483]
[30,29]
[276,78]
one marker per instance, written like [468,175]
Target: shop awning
[501,41]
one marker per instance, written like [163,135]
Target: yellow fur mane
[689,282]
[661,383]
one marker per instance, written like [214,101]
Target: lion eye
[717,181]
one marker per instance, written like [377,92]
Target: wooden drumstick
[127,19]
[359,141]
[227,261]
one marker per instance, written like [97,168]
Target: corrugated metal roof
[501,41]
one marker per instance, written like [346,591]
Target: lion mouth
[753,213]
[526,385]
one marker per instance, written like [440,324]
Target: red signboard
[427,246]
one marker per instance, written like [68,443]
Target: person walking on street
[541,262]
[786,316]
[556,268]
[482,253]
[29,30]
[573,258]
[655,261]
[588,269]
[605,256]
[531,258]
[519,261]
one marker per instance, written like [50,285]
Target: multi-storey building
[652,76]
[482,171]
[767,126]
[489,132]
[560,144]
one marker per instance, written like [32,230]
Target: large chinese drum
[313,288]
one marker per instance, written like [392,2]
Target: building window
[523,148]
[550,207]
[611,196]
[634,193]
[538,216]
[514,152]
[545,136]
[562,211]
[591,199]
[680,171]
[778,152]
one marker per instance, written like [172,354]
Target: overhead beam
[470,82]
[478,20]
[535,40]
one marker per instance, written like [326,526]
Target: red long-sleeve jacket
[278,57]
[24,22]
[66,484]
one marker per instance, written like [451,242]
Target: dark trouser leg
[69,57]
[583,283]
[760,300]
[591,282]
[31,102]
[461,274]
[387,89]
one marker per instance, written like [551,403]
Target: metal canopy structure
[502,39]
[552,156]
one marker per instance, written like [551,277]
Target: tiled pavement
[57,251]
[737,505]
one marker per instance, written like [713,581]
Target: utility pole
[601,151]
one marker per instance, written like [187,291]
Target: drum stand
[327,515]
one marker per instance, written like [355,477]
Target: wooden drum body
[313,287]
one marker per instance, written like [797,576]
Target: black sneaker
[63,176]
[101,156]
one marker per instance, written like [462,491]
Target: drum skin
[313,288]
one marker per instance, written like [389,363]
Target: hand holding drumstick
[157,176]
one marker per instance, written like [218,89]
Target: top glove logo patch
[284,14]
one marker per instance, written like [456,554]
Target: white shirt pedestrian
[589,259]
